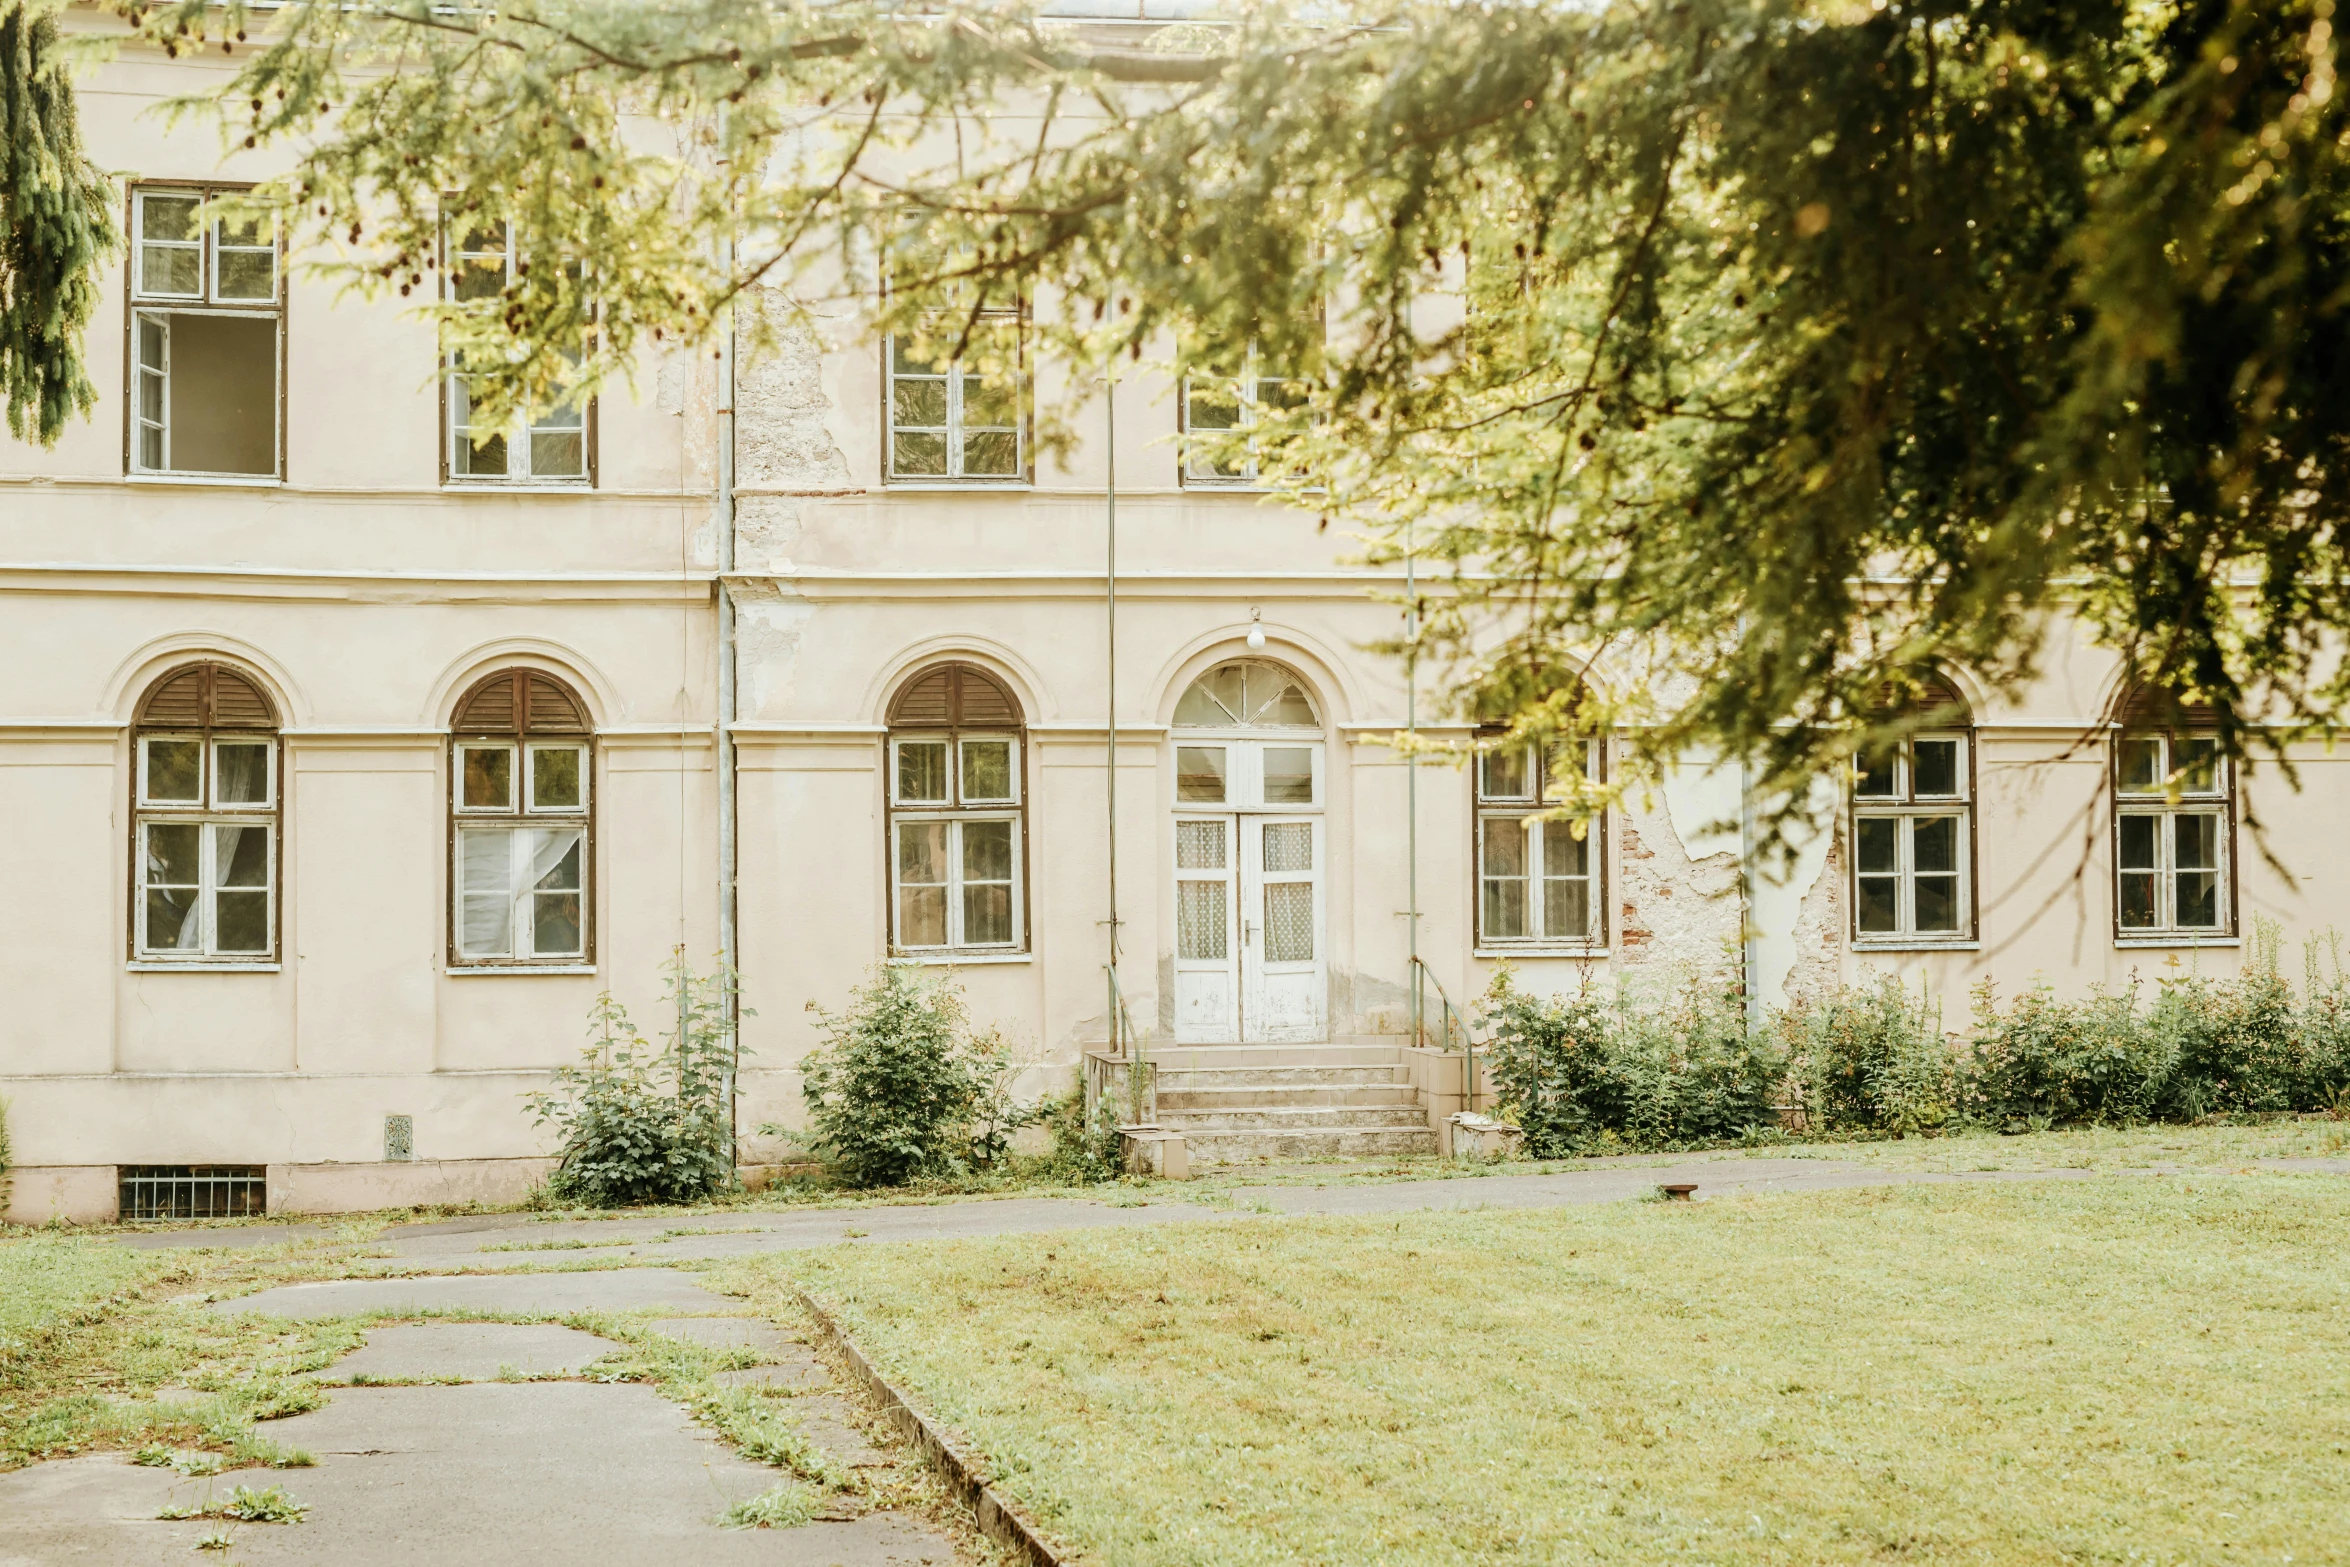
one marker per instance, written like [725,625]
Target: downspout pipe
[724,759]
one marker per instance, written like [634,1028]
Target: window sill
[209,966]
[1917,946]
[233,481]
[1015,485]
[510,487]
[960,959]
[475,970]
[2181,942]
[1588,950]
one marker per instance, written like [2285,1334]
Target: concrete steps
[1347,1099]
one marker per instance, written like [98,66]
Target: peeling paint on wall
[1673,908]
[769,620]
[783,436]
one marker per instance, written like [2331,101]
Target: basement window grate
[193,1191]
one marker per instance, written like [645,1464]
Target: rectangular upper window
[207,334]
[1218,414]
[949,422]
[555,446]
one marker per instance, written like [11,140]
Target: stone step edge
[965,1475]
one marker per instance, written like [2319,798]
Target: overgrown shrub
[7,1164]
[2236,1044]
[1874,1058]
[645,1122]
[902,1088]
[2325,1033]
[1588,1071]
[2044,1061]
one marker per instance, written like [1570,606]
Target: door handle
[1248,931]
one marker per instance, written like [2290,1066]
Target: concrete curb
[964,1475]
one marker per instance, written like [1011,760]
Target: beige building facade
[352,750]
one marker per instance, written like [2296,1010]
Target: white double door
[1249,943]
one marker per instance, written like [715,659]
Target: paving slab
[475,1351]
[613,1289]
[728,1333]
[826,1420]
[554,1472]
[232,1236]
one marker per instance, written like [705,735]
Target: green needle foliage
[1767,353]
[56,228]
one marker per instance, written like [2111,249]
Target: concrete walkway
[479,1465]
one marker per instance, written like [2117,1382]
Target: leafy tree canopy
[1771,352]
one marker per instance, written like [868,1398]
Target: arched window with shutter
[1913,848]
[956,808]
[205,763]
[521,824]
[2174,827]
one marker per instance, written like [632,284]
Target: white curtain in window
[488,872]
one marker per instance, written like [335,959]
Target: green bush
[2325,1035]
[7,1179]
[1874,1059]
[902,1089]
[2237,1043]
[2044,1061]
[1585,1072]
[643,1122]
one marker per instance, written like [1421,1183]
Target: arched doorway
[1250,943]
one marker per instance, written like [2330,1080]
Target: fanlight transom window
[1247,693]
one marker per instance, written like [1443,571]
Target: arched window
[206,763]
[956,808]
[1913,830]
[521,837]
[2174,805]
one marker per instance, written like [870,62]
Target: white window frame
[152,310]
[950,374]
[955,811]
[2166,803]
[206,813]
[1905,806]
[578,417]
[1249,389]
[519,820]
[521,923]
[1523,813]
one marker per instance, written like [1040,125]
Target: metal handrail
[1126,1046]
[1452,1025]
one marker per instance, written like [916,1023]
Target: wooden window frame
[521,740]
[137,303]
[1487,808]
[956,810]
[2167,807]
[1904,805]
[1024,450]
[204,813]
[590,421]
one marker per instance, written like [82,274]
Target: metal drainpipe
[1411,787]
[727,934]
[1110,578]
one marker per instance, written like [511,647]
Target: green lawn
[2125,1370]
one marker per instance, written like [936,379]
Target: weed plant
[646,1122]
